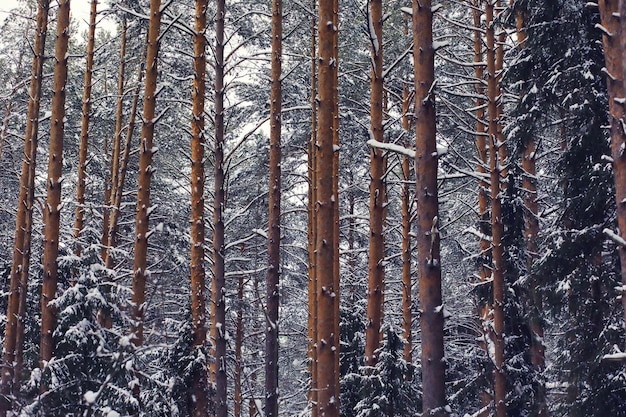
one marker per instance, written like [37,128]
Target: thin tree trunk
[16,290]
[376,272]
[312,235]
[337,235]
[615,59]
[531,232]
[496,218]
[327,340]
[407,281]
[199,389]
[218,301]
[145,175]
[79,221]
[429,263]
[483,196]
[239,329]
[121,177]
[5,126]
[273,233]
[115,153]
[503,150]
[52,208]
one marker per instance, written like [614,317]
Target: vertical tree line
[510,220]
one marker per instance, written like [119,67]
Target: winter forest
[359,208]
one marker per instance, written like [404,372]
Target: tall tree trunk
[145,176]
[20,251]
[273,232]
[218,293]
[376,272]
[429,263]
[79,221]
[52,208]
[121,177]
[337,235]
[312,231]
[531,233]
[407,281]
[239,329]
[327,338]
[496,217]
[615,58]
[484,226]
[199,389]
[115,153]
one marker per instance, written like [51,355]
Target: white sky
[79,11]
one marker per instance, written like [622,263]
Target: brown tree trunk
[145,175]
[376,272]
[615,57]
[429,263]
[115,153]
[20,251]
[273,232]
[79,221]
[199,389]
[52,208]
[407,281]
[531,232]
[238,399]
[119,188]
[496,217]
[337,235]
[327,340]
[484,309]
[312,235]
[218,299]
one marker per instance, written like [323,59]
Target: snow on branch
[614,237]
[372,32]
[391,147]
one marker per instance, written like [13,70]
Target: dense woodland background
[522,104]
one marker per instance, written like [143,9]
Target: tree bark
[121,177]
[218,300]
[407,281]
[311,227]
[199,389]
[615,59]
[145,175]
[429,263]
[24,210]
[337,235]
[273,233]
[327,338]
[52,208]
[79,221]
[531,233]
[496,216]
[239,329]
[115,153]
[376,272]
[484,226]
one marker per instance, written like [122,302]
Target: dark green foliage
[562,62]
[389,389]
[351,356]
[90,370]
[167,391]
